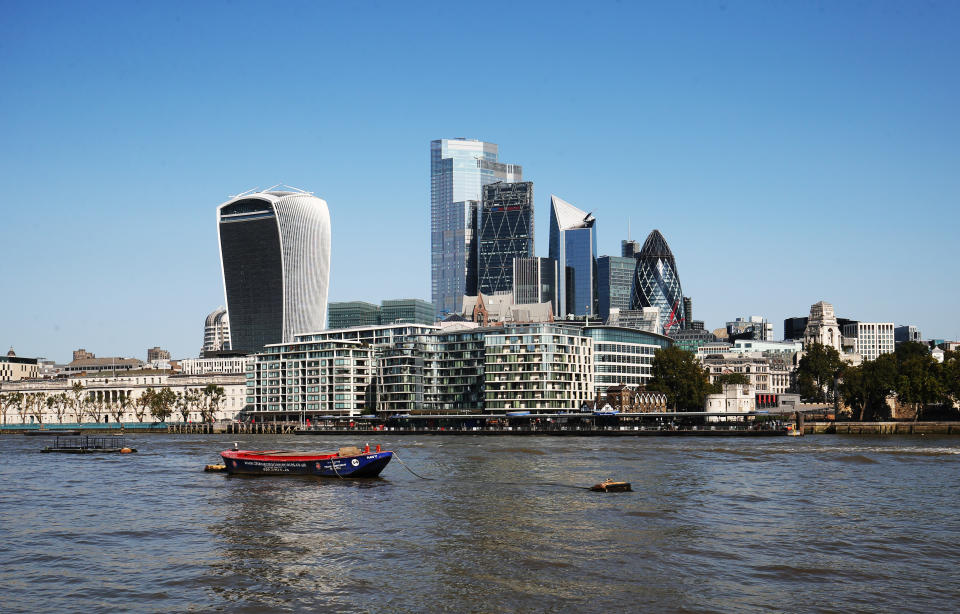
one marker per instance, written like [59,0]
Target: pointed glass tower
[573,244]
[656,283]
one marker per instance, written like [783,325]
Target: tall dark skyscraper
[506,232]
[657,284]
[614,280]
[573,244]
[688,311]
[275,258]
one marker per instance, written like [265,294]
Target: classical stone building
[822,327]
[112,398]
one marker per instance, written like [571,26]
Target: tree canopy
[678,374]
[817,372]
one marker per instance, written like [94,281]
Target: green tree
[729,378]
[78,401]
[162,403]
[213,397]
[866,387]
[13,399]
[23,407]
[817,373]
[142,404]
[61,402]
[919,381]
[678,374]
[950,376]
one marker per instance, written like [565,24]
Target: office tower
[535,281]
[793,328]
[506,232]
[907,333]
[614,280]
[573,244]
[406,311]
[629,249]
[657,284]
[347,314]
[459,168]
[870,339]
[275,258]
[688,311]
[753,327]
[216,332]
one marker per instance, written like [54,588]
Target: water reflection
[821,524]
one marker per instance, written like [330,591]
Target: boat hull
[360,466]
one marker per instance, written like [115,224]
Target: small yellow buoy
[215,468]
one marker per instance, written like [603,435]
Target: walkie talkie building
[275,258]
[656,283]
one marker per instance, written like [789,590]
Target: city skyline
[765,143]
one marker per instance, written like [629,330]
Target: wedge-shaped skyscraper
[573,244]
[656,283]
[275,257]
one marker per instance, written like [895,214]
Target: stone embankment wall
[882,428]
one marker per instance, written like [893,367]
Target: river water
[813,524]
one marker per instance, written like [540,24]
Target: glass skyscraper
[459,168]
[506,232]
[573,244]
[275,257]
[656,283]
[614,282]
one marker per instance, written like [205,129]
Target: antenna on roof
[250,191]
[284,187]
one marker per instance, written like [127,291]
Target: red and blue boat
[348,462]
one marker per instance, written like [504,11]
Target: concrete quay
[881,428]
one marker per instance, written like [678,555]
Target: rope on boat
[408,468]
[333,463]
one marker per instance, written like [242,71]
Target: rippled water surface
[818,524]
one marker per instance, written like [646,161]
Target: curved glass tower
[275,257]
[656,283]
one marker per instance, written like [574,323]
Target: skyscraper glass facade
[656,283]
[506,232]
[406,311]
[352,313]
[535,281]
[573,244]
[275,257]
[614,281]
[459,168]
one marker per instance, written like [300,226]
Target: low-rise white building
[114,398]
[735,398]
[203,366]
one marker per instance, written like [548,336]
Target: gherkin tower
[657,284]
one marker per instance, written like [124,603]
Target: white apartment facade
[870,339]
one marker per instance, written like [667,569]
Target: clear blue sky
[789,152]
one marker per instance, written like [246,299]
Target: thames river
[814,524]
